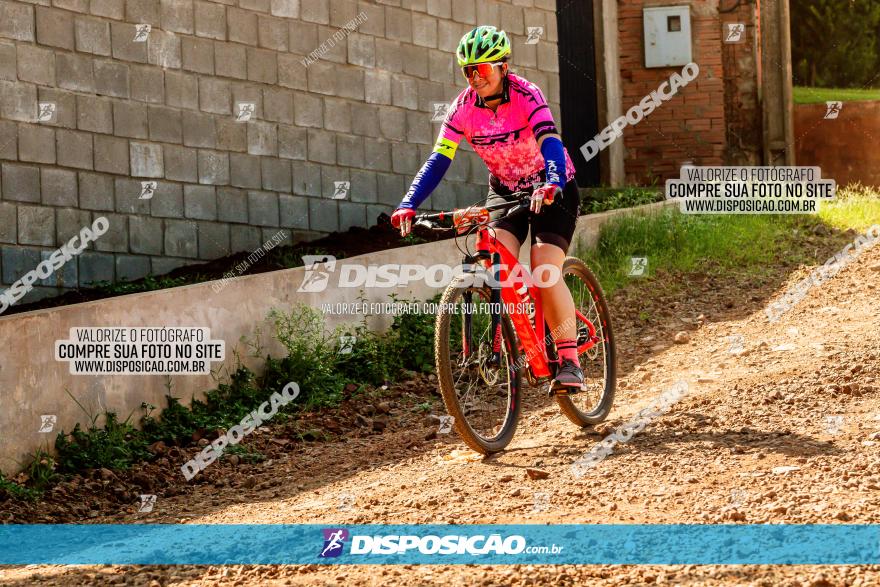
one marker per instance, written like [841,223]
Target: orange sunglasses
[484,69]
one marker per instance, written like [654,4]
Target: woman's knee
[547,254]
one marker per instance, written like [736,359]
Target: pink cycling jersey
[506,139]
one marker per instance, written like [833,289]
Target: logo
[638,265]
[540,502]
[441,109]
[146,504]
[141,32]
[446,423]
[148,190]
[318,269]
[46,111]
[736,344]
[47,423]
[552,172]
[833,424]
[738,497]
[346,502]
[346,344]
[244,111]
[485,140]
[334,540]
[735,32]
[833,110]
[340,189]
[534,33]
[266,411]
[55,261]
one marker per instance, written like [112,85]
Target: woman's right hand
[402,219]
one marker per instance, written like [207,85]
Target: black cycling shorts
[554,224]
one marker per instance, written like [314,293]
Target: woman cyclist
[507,121]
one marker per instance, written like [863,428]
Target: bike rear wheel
[599,363]
[482,397]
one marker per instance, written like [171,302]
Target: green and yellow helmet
[484,44]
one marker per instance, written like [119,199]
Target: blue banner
[647,544]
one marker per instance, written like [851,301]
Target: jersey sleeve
[537,112]
[452,130]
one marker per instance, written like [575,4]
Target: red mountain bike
[490,329]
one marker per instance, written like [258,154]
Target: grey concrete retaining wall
[33,383]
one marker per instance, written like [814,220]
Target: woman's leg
[556,299]
[553,230]
[509,240]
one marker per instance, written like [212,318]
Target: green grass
[803,95]
[718,243]
[603,199]
[313,360]
[856,207]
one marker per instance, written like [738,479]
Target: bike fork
[495,307]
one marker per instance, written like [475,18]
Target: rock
[682,337]
[431,435]
[784,470]
[312,434]
[384,407]
[144,481]
[362,421]
[249,482]
[234,460]
[784,347]
[158,448]
[106,474]
[505,478]
[537,473]
[842,516]
[431,420]
[380,423]
[875,267]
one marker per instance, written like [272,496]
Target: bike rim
[595,361]
[485,392]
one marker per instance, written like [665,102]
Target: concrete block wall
[164,110]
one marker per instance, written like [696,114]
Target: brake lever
[523,206]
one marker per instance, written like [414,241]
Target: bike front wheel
[599,362]
[481,393]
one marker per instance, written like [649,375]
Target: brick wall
[690,126]
[164,110]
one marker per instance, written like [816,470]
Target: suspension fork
[495,308]
[469,263]
[466,325]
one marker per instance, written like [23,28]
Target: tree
[834,43]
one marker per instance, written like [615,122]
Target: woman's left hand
[544,195]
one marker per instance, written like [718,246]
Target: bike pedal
[556,389]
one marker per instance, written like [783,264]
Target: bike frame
[531,336]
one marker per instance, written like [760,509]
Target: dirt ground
[785,429]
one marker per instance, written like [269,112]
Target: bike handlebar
[516,206]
